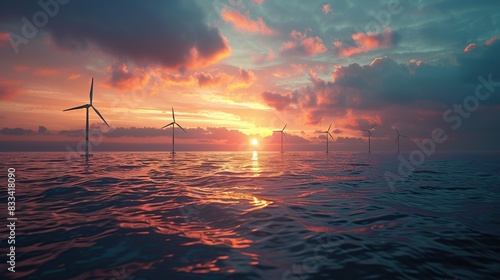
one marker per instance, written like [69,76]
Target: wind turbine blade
[372,127]
[284,134]
[76,108]
[97,112]
[277,131]
[91,90]
[284,127]
[173,115]
[167,125]
[397,140]
[181,127]
[370,134]
[397,131]
[403,135]
[329,127]
[330,135]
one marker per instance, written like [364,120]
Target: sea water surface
[252,215]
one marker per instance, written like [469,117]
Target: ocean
[251,215]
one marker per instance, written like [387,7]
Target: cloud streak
[244,23]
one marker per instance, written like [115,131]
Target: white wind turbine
[370,135]
[282,133]
[327,133]
[87,106]
[173,124]
[397,139]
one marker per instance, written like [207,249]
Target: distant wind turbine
[282,133]
[87,106]
[327,132]
[370,135]
[397,139]
[173,124]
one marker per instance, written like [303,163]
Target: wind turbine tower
[282,133]
[173,124]
[86,107]
[397,139]
[370,135]
[327,133]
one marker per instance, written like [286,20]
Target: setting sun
[255,142]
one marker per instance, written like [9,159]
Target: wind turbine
[282,133]
[87,106]
[173,124]
[397,139]
[327,132]
[369,135]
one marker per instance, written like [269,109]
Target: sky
[237,70]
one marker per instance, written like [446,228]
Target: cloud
[384,85]
[263,58]
[8,89]
[208,80]
[209,134]
[122,78]
[73,76]
[258,1]
[492,40]
[178,79]
[365,42]
[246,76]
[279,101]
[16,131]
[46,72]
[42,129]
[21,68]
[173,34]
[469,47]
[244,79]
[327,8]
[243,23]
[301,45]
[4,38]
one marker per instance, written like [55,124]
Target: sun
[255,142]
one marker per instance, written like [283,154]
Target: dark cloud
[42,129]
[174,34]
[279,101]
[384,83]
[16,131]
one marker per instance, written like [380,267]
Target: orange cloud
[258,1]
[278,101]
[122,78]
[243,23]
[177,80]
[73,76]
[302,45]
[8,89]
[199,58]
[245,79]
[263,58]
[327,8]
[45,72]
[366,42]
[4,38]
[21,68]
[470,47]
[492,40]
[209,80]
